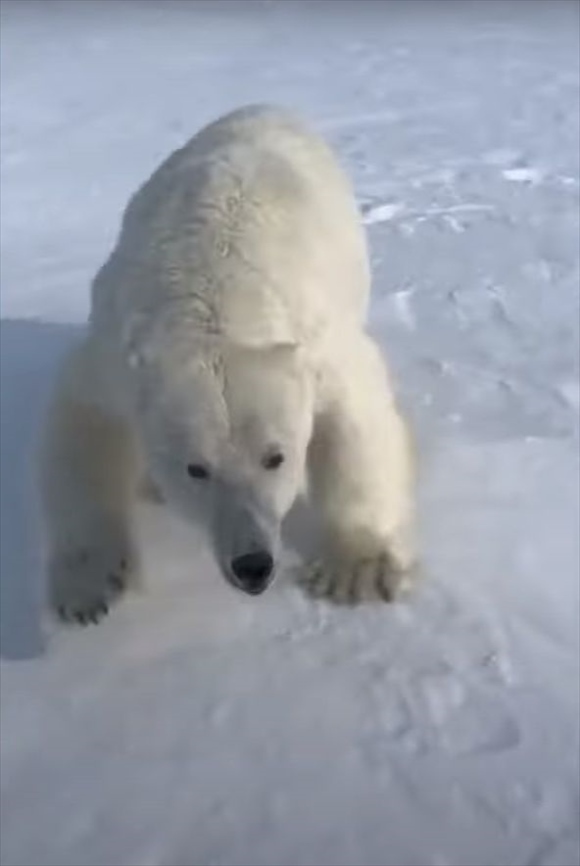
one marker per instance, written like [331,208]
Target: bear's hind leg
[88,481]
[362,482]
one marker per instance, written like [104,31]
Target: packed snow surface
[196,727]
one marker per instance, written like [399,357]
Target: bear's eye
[195,470]
[273,461]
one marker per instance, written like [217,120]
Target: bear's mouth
[252,587]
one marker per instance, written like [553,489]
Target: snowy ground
[199,727]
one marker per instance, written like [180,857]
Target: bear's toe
[372,579]
[84,584]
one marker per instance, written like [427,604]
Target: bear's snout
[253,572]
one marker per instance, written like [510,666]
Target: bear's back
[250,230]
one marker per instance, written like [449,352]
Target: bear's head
[226,435]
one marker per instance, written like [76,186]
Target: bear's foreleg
[362,480]
[88,481]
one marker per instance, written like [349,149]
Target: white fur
[227,322]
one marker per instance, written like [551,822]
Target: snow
[198,726]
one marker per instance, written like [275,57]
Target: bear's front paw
[86,580]
[357,580]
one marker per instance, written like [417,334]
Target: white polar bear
[226,359]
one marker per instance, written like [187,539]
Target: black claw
[321,582]
[320,587]
[116,582]
[385,592]
[352,594]
[83,617]
[383,589]
[123,565]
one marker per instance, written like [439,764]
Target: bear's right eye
[195,470]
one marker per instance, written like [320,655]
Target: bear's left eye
[195,470]
[273,461]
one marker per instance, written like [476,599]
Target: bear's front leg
[88,480]
[361,472]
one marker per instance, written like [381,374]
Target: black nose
[253,571]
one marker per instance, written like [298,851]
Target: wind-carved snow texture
[196,726]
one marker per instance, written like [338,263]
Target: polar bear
[226,360]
